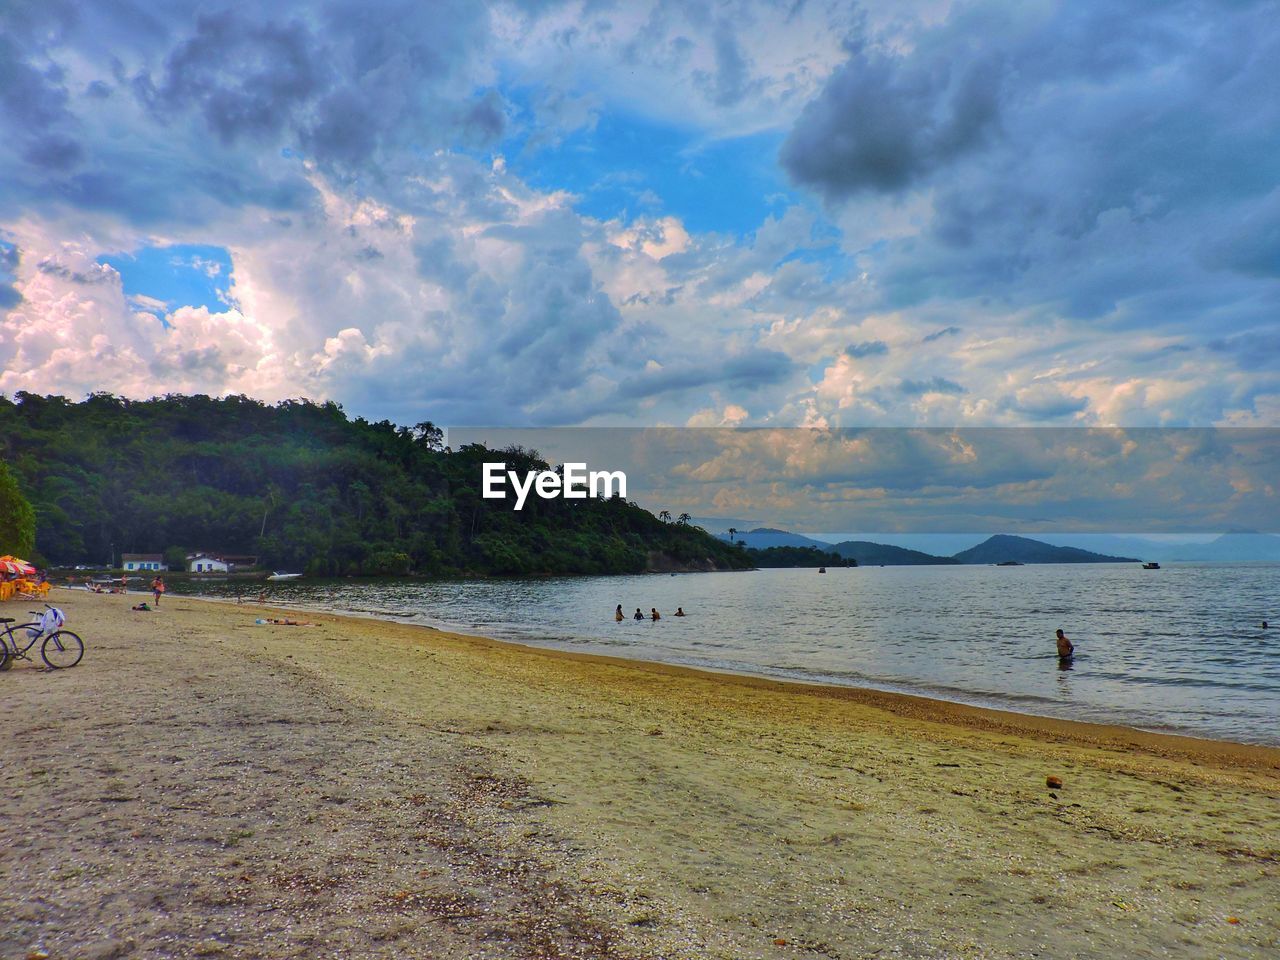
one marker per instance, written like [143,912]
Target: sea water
[1179,649]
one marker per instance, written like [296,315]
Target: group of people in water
[654,615]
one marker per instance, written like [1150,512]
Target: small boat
[1009,563]
[280,575]
[1151,565]
[822,569]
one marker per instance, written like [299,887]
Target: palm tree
[665,516]
[683,518]
[732,533]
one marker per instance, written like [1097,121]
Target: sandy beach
[202,785]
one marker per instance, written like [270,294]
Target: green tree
[17,517]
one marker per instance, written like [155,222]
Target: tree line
[305,487]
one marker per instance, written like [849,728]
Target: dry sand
[201,785]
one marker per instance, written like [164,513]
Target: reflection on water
[1180,648]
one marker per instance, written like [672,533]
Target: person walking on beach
[157,588]
[618,615]
[1066,650]
[653,612]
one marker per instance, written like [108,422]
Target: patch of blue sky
[837,265]
[625,166]
[162,279]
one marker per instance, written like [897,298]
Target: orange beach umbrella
[11,564]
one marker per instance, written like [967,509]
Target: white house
[143,561]
[205,563]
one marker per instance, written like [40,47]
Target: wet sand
[202,785]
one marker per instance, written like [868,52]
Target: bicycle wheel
[61,650]
[4,656]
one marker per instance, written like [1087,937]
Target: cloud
[981,212]
[868,348]
[1044,401]
[754,369]
[932,385]
[884,120]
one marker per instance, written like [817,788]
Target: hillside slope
[302,486]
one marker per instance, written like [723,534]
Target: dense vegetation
[17,518]
[798,557]
[302,486]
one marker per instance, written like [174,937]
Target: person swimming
[638,615]
[1066,650]
[618,615]
[679,612]
[653,612]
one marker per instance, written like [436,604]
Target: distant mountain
[1003,548]
[1230,546]
[870,554]
[762,538]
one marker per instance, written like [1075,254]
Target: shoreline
[359,787]
[977,713]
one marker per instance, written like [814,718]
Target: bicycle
[61,648]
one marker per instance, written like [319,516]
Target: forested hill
[302,486]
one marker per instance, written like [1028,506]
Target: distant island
[299,485]
[1001,548]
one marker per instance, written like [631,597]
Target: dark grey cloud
[932,385]
[1108,170]
[10,256]
[63,272]
[753,369]
[883,120]
[247,79]
[868,348]
[1255,350]
[1044,402]
[731,82]
[222,101]
[939,334]
[1252,247]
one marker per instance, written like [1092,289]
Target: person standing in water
[653,612]
[639,615]
[1066,650]
[618,615]
[679,612]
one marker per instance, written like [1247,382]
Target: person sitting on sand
[679,612]
[141,606]
[653,612]
[639,615]
[618,615]
[1065,648]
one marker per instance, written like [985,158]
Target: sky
[649,213]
